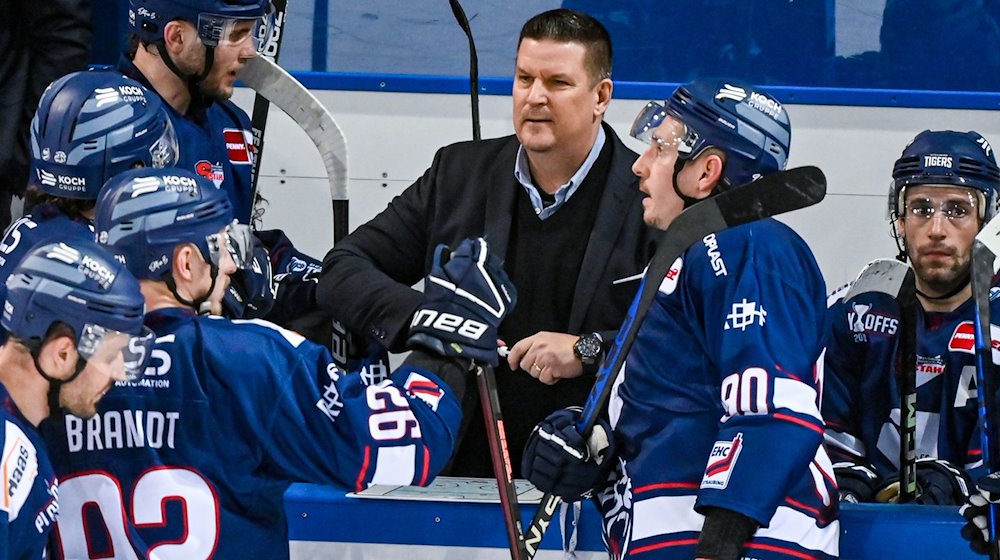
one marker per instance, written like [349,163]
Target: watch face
[587,348]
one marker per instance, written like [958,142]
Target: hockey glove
[976,512]
[857,483]
[466,296]
[558,461]
[938,483]
[251,290]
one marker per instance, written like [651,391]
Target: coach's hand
[466,296]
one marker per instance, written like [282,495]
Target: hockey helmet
[80,284]
[215,20]
[143,214]
[746,123]
[93,124]
[948,158]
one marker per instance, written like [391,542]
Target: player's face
[939,225]
[81,395]
[655,168]
[557,104]
[231,55]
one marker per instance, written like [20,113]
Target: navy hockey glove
[976,512]
[857,483]
[938,483]
[251,290]
[558,461]
[466,296]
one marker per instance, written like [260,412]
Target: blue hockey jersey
[199,451]
[28,508]
[861,402]
[718,404]
[216,142]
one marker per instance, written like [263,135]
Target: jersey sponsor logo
[712,246]
[938,160]
[861,321]
[424,389]
[123,429]
[721,462]
[745,314]
[672,277]
[19,465]
[931,366]
[239,144]
[964,339]
[211,171]
[47,514]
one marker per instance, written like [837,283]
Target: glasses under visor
[645,125]
[126,354]
[215,30]
[237,239]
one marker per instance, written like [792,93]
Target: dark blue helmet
[749,125]
[212,18]
[94,124]
[950,158]
[144,214]
[78,283]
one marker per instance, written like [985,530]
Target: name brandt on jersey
[122,429]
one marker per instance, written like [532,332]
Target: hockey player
[74,318]
[715,414]
[944,188]
[230,413]
[88,126]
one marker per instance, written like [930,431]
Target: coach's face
[558,105]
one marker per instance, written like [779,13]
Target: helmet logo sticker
[729,91]
[938,160]
[105,96]
[144,185]
[65,253]
[60,157]
[239,144]
[210,171]
[985,146]
[764,104]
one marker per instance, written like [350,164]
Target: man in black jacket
[558,200]
[40,41]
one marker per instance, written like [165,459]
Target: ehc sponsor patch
[239,145]
[721,462]
[211,171]
[424,389]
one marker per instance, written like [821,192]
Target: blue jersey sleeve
[764,325]
[318,423]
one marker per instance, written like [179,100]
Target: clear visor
[236,239]
[953,204]
[216,30]
[649,119]
[123,353]
[165,151]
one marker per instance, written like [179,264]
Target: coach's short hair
[570,26]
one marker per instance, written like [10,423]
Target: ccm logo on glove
[449,322]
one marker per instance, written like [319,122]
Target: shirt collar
[522,172]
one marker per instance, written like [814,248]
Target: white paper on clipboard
[451,489]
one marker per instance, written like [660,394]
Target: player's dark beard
[943,281]
[210,93]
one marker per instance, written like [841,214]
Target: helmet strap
[54,384]
[678,166]
[961,286]
[201,305]
[192,80]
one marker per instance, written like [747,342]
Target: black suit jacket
[468,191]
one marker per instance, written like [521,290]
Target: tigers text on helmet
[92,125]
[215,20]
[947,158]
[747,124]
[144,214]
[80,284]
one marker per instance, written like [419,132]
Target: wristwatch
[588,348]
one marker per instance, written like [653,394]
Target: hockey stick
[895,279]
[769,196]
[985,249]
[489,400]
[501,460]
[463,22]
[258,118]
[280,88]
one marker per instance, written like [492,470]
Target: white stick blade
[881,275]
